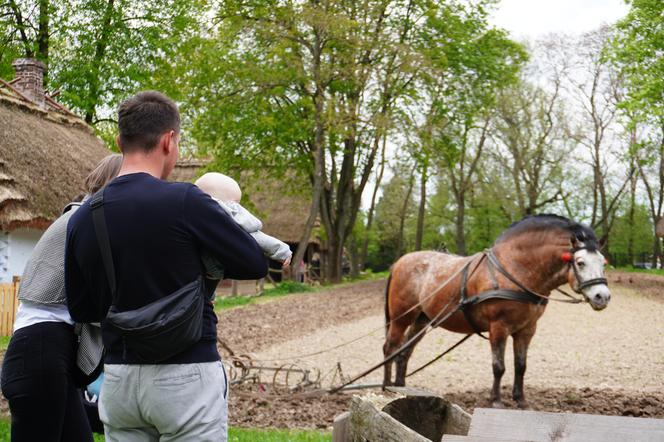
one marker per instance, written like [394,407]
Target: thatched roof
[45,154]
[283,207]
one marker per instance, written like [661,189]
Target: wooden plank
[8,307]
[568,427]
[341,428]
[455,438]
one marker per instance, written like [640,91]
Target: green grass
[234,435]
[250,435]
[290,287]
[281,289]
[649,271]
[4,342]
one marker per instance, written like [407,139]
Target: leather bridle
[580,285]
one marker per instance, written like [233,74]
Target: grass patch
[290,287]
[247,435]
[281,289]
[234,435]
[4,343]
[659,272]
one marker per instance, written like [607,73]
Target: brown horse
[533,256]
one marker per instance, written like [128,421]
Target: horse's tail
[387,303]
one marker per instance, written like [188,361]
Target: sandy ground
[621,347]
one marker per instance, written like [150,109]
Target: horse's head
[586,272]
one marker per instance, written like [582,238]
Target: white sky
[534,18]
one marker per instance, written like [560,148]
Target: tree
[290,71]
[466,63]
[99,51]
[637,51]
[531,129]
[595,87]
[394,208]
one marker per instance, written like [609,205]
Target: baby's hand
[286,262]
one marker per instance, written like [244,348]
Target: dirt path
[611,362]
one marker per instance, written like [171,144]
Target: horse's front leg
[521,341]
[498,337]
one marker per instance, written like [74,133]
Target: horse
[511,281]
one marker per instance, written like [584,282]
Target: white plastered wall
[15,249]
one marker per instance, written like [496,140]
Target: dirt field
[609,362]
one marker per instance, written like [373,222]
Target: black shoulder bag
[160,329]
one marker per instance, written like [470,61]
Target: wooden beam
[545,427]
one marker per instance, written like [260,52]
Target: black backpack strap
[99,221]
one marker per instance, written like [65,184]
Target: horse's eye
[581,264]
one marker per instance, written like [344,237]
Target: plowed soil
[611,362]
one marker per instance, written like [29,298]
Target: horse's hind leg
[393,340]
[498,338]
[402,359]
[521,341]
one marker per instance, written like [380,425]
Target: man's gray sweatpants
[173,402]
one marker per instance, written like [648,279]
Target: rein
[493,259]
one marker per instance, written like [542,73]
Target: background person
[39,371]
[156,231]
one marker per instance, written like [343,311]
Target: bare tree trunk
[460,234]
[372,207]
[404,211]
[422,209]
[100,53]
[319,163]
[20,25]
[43,35]
[630,217]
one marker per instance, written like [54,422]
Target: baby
[226,191]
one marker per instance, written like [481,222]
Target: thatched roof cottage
[46,152]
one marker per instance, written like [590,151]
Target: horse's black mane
[581,232]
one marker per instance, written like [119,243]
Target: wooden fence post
[8,306]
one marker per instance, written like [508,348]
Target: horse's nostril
[598,297]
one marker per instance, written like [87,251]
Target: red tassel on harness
[567,257]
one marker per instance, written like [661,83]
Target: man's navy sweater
[157,232]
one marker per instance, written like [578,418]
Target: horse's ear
[574,241]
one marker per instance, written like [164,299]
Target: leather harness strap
[525,296]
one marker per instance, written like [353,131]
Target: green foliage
[640,230]
[637,50]
[389,212]
[101,51]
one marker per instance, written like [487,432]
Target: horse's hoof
[524,405]
[497,404]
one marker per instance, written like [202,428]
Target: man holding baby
[157,233]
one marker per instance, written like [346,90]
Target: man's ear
[165,142]
[117,142]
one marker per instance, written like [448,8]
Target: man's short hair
[144,118]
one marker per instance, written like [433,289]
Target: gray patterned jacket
[43,282]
